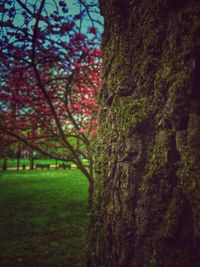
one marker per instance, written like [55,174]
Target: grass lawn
[43,218]
[12,163]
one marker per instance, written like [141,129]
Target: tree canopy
[50,66]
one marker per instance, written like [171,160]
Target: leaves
[50,76]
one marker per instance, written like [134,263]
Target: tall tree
[7,148]
[146,210]
[50,63]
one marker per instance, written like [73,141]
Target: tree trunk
[56,164]
[31,159]
[90,193]
[5,163]
[146,208]
[18,154]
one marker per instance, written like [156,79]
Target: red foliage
[50,72]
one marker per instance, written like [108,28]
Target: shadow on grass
[43,218]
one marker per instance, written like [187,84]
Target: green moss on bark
[146,207]
[128,112]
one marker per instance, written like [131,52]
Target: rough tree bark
[146,209]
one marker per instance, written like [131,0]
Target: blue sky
[74,7]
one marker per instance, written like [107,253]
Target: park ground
[12,163]
[43,218]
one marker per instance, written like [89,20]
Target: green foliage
[43,218]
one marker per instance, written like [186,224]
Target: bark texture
[146,208]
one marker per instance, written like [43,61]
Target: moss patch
[129,112]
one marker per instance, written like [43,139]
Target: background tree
[147,201]
[8,147]
[50,64]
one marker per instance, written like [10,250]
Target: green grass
[43,218]
[12,163]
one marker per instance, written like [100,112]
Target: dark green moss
[128,112]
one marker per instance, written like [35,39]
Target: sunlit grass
[43,218]
[12,163]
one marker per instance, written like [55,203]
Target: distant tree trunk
[146,207]
[56,164]
[31,159]
[5,163]
[18,156]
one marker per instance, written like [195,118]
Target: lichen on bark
[147,203]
